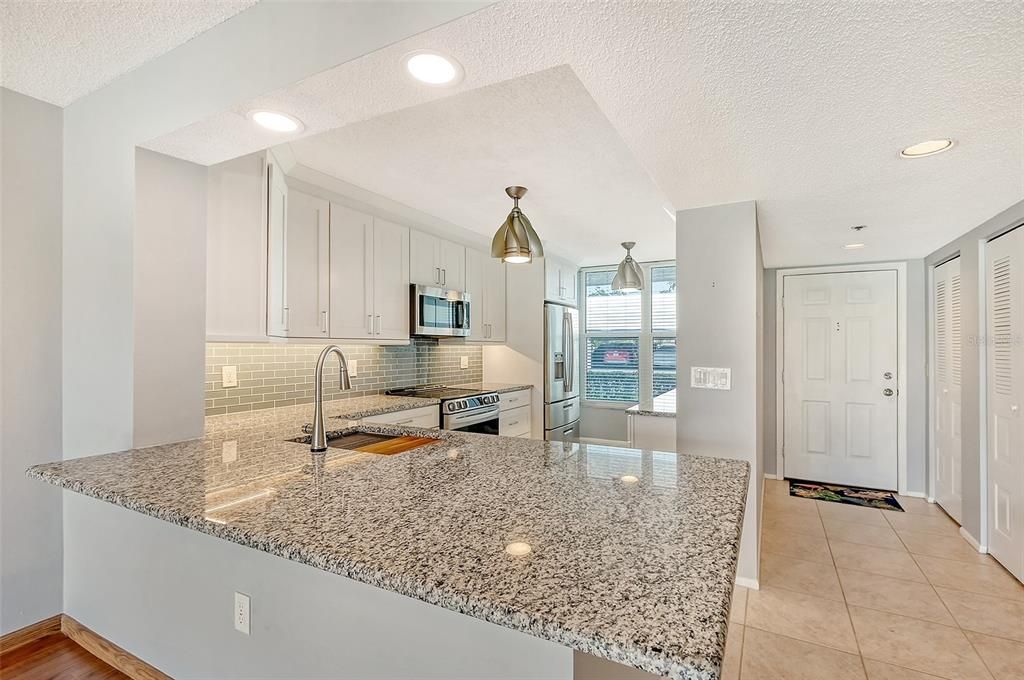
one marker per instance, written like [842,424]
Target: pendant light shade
[629,276]
[515,241]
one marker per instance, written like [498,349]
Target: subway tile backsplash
[278,374]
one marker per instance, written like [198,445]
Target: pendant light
[515,241]
[629,276]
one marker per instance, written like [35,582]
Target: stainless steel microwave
[440,313]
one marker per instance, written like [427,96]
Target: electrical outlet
[464,362]
[353,368]
[229,451]
[229,376]
[242,613]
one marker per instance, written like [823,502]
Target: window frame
[646,336]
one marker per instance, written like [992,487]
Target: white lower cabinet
[425,416]
[514,422]
[514,417]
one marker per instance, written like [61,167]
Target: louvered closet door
[1005,304]
[947,319]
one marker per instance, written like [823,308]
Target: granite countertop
[357,408]
[633,552]
[500,388]
[663,405]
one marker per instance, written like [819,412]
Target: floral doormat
[851,495]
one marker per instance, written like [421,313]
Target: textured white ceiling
[801,106]
[60,50]
[453,158]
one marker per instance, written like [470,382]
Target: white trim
[769,475]
[974,543]
[751,583]
[901,357]
[918,494]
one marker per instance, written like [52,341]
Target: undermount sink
[371,442]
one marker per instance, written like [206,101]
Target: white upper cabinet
[307,285]
[390,280]
[351,273]
[560,281]
[369,277]
[277,225]
[485,282]
[435,261]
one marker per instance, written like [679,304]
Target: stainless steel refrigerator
[561,373]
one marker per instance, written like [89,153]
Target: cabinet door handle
[323,321]
[514,422]
[284,318]
[444,277]
[437,275]
[369,324]
[378,324]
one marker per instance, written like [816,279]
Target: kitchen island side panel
[165,594]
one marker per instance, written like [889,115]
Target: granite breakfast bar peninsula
[472,556]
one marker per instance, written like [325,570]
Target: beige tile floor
[863,594]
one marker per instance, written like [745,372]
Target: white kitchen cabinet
[277,248]
[424,416]
[560,280]
[485,282]
[435,261]
[369,276]
[390,280]
[307,289]
[511,400]
[351,274]
[514,422]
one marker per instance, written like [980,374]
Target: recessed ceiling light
[854,246]
[929,148]
[276,121]
[433,68]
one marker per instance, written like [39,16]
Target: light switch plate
[353,368]
[710,378]
[229,376]
[464,362]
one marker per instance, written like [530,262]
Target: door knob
[887,391]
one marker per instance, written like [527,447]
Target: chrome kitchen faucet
[318,443]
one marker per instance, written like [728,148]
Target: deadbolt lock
[887,375]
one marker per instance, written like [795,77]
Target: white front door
[947,370]
[1005,319]
[839,378]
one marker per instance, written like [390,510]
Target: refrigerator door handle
[565,352]
[572,353]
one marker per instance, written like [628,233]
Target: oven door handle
[473,417]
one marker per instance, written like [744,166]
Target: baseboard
[30,633]
[751,583]
[974,543]
[915,494]
[107,651]
[771,476]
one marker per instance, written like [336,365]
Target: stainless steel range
[462,409]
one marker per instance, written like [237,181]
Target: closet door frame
[901,358]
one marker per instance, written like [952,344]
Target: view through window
[629,336]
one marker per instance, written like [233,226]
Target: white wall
[30,361]
[170,298]
[719,319]
[161,591]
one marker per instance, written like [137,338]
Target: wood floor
[55,657]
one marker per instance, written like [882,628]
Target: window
[629,337]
